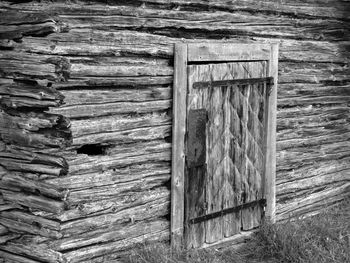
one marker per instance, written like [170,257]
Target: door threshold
[236,241]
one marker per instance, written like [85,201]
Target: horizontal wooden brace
[226,211]
[220,83]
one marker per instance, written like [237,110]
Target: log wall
[85,121]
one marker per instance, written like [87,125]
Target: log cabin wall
[86,93]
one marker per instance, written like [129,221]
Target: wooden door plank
[216,164]
[196,178]
[178,145]
[252,178]
[270,164]
[227,52]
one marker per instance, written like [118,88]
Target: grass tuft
[324,238]
[161,253]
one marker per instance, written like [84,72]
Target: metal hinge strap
[226,211]
[230,82]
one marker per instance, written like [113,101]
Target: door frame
[185,53]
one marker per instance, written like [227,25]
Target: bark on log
[322,196]
[26,66]
[29,94]
[16,159]
[7,237]
[15,258]
[34,251]
[109,95]
[326,167]
[28,218]
[17,180]
[219,23]
[152,151]
[35,129]
[113,205]
[34,201]
[101,45]
[21,227]
[95,110]
[100,236]
[25,24]
[112,191]
[115,123]
[152,210]
[159,231]
[129,174]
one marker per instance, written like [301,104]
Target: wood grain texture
[178,146]
[270,162]
[74,47]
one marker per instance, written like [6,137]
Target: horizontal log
[309,94]
[111,59]
[20,65]
[127,136]
[312,170]
[122,155]
[96,96]
[315,127]
[33,121]
[16,258]
[125,43]
[34,201]
[8,206]
[291,8]
[21,227]
[300,50]
[129,174]
[149,232]
[83,70]
[226,23]
[119,232]
[35,129]
[109,191]
[321,195]
[3,230]
[293,189]
[295,9]
[314,137]
[95,110]
[111,205]
[29,94]
[34,251]
[116,123]
[31,219]
[116,81]
[14,159]
[10,236]
[300,156]
[152,210]
[291,118]
[15,25]
[17,180]
[291,72]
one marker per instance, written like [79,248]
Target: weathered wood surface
[112,61]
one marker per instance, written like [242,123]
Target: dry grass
[324,238]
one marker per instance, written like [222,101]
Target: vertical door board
[178,147]
[270,164]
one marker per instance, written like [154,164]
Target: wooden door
[223,140]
